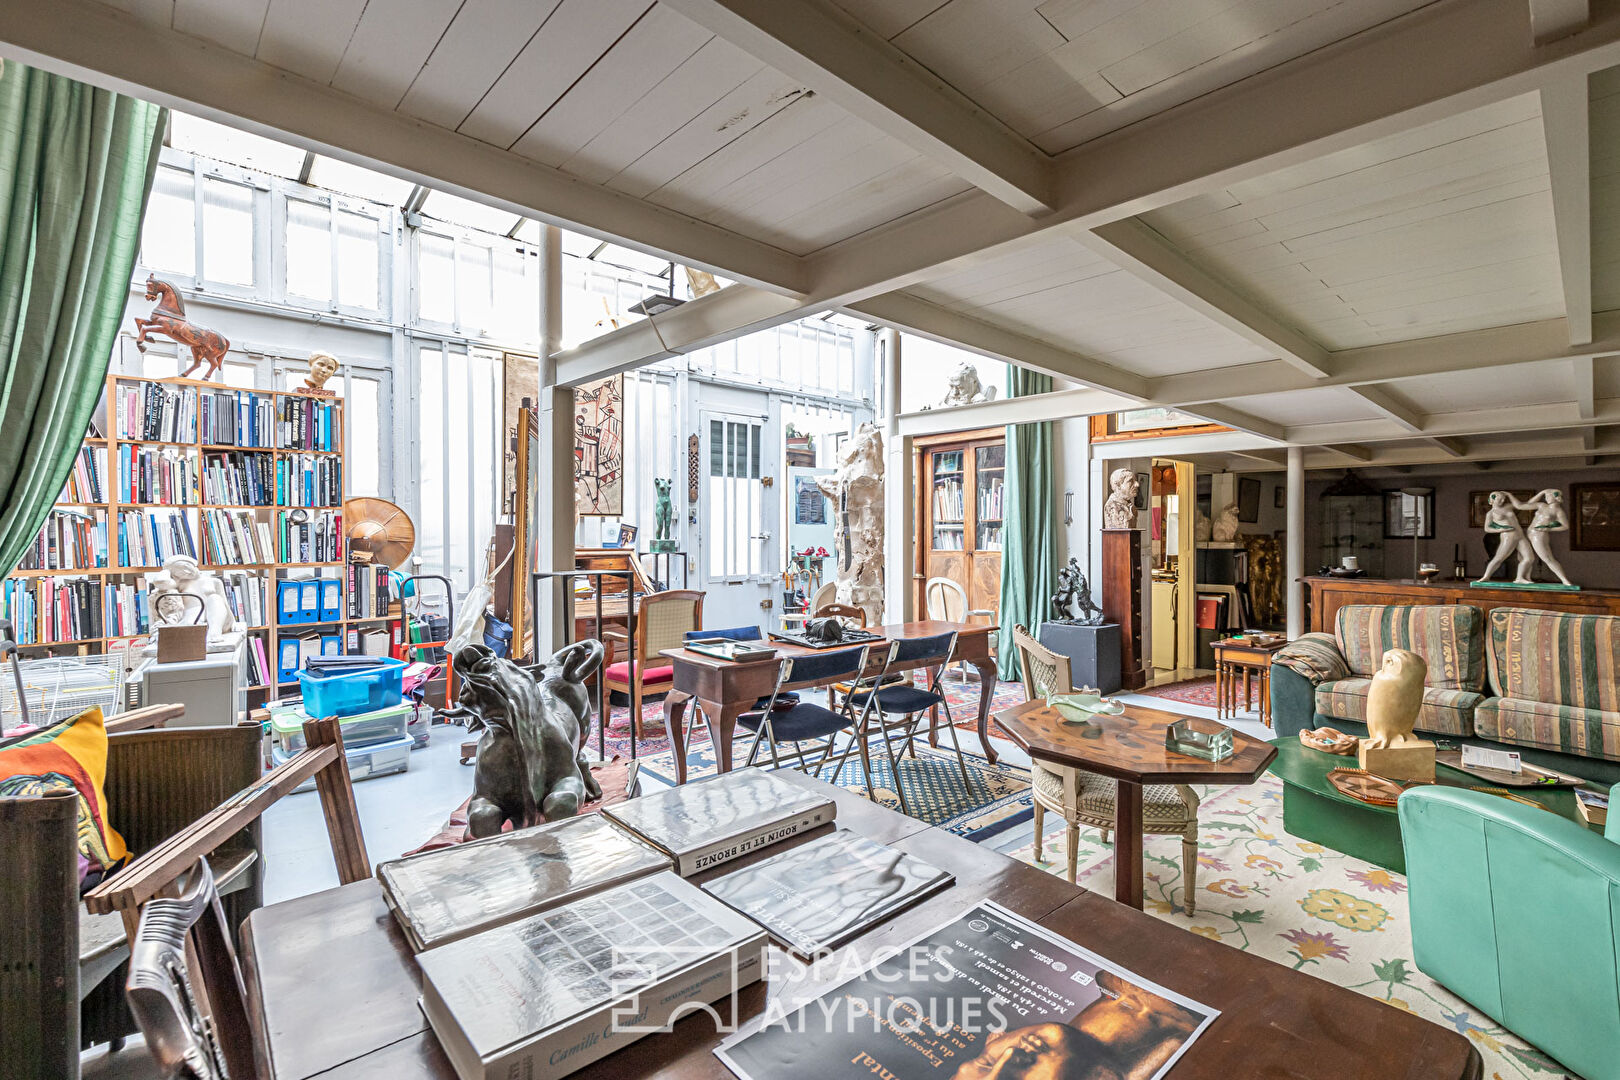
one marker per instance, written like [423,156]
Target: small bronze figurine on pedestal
[1071,604]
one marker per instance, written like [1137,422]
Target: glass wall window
[309,250]
[735,498]
[459,432]
[227,232]
[169,233]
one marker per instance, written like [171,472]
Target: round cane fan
[378,532]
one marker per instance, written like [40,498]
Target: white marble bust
[1119,512]
[181,578]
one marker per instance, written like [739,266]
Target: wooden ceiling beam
[1566,126]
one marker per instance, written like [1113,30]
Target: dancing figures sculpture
[169,319]
[1548,515]
[531,764]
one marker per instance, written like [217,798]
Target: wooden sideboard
[1328,594]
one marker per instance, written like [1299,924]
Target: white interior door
[736,547]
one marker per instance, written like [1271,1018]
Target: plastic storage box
[359,730]
[379,759]
[351,692]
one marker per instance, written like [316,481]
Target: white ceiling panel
[1325,406]
[475,49]
[1518,384]
[308,37]
[389,46]
[1604,115]
[234,24]
[1444,229]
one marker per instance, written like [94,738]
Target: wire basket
[58,687]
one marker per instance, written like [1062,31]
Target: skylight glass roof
[207,139]
[336,175]
[461,211]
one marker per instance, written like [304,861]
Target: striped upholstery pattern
[1450,639]
[1315,656]
[1546,726]
[1556,658]
[1444,712]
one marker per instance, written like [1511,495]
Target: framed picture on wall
[1594,517]
[1407,516]
[1279,497]
[1144,483]
[1248,499]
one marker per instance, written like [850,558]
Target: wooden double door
[960,481]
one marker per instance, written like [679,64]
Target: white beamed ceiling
[1349,229]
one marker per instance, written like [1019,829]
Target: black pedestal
[1093,652]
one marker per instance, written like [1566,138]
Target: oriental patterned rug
[1297,903]
[996,797]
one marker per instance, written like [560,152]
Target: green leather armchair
[1517,911]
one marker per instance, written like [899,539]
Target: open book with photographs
[987,996]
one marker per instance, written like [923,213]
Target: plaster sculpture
[1071,604]
[531,765]
[1549,517]
[965,388]
[1119,511]
[183,594]
[856,490]
[1225,526]
[1502,521]
[1393,701]
[663,517]
[322,366]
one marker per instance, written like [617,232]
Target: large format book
[445,895]
[546,996]
[989,994]
[714,821]
[819,895]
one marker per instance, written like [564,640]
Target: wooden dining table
[332,984]
[725,689]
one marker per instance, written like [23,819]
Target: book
[818,895]
[713,821]
[1593,807]
[445,895]
[545,996]
[988,994]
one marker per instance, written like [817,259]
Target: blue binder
[290,602]
[287,659]
[331,599]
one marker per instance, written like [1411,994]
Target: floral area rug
[1199,691]
[995,799]
[1297,903]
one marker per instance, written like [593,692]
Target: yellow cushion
[70,755]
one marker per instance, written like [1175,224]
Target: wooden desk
[724,690]
[332,985]
[1130,748]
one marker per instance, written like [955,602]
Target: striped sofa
[1544,683]
[1556,678]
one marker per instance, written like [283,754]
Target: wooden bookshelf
[195,508]
[958,491]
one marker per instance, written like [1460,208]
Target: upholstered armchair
[662,622]
[1517,911]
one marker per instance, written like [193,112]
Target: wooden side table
[1236,660]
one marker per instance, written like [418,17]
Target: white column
[1294,563]
[899,545]
[556,464]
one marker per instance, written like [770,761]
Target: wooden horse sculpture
[169,319]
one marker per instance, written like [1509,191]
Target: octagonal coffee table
[1130,749]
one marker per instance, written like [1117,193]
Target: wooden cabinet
[1329,594]
[960,481]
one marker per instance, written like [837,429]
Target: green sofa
[1542,683]
[1517,911]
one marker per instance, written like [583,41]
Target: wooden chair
[186,1040]
[661,622]
[853,616]
[1084,798]
[945,599]
[39,937]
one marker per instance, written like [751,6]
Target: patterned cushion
[1565,728]
[1444,712]
[1450,638]
[70,756]
[1557,658]
[1162,804]
[1315,656]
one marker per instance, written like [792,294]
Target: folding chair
[739,633]
[906,702]
[803,721]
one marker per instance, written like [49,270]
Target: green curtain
[1029,557]
[76,164]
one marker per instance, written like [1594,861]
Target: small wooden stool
[1235,660]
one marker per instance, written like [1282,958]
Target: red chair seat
[620,672]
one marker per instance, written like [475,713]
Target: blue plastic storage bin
[347,693]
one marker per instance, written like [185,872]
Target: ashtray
[1329,740]
[1183,738]
[1079,708]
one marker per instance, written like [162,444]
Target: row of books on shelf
[43,610]
[69,540]
[990,499]
[155,411]
[309,424]
[371,592]
[990,538]
[237,418]
[318,537]
[148,474]
[948,539]
[247,478]
[87,482]
[147,537]
[948,505]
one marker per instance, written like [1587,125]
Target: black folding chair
[803,722]
[905,702]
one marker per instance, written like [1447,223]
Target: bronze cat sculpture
[531,765]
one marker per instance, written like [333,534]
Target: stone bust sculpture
[1119,512]
[322,366]
[965,388]
[180,589]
